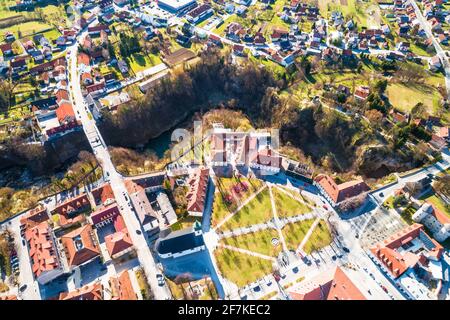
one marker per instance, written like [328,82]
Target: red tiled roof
[72,205]
[90,292]
[118,242]
[332,285]
[61,94]
[65,112]
[83,58]
[397,263]
[198,184]
[42,249]
[80,246]
[121,287]
[103,193]
[35,216]
[342,191]
[439,215]
[362,92]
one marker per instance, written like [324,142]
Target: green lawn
[300,195]
[223,187]
[241,268]
[320,237]
[439,204]
[27,28]
[139,62]
[294,233]
[407,214]
[404,97]
[258,210]
[259,242]
[287,206]
[352,8]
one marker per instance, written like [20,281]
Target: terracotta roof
[72,204]
[34,216]
[342,191]
[196,196]
[398,262]
[118,242]
[11,297]
[65,112]
[83,58]
[331,285]
[62,94]
[90,292]
[362,92]
[80,245]
[121,287]
[41,249]
[267,157]
[439,215]
[103,194]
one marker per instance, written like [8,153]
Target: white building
[435,220]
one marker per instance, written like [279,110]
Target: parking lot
[382,224]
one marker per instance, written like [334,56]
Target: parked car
[345,249]
[160,279]
[23,288]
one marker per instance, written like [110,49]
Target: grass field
[349,8]
[320,237]
[26,29]
[258,210]
[439,204]
[139,62]
[407,214]
[220,208]
[404,97]
[294,233]
[259,241]
[287,206]
[240,268]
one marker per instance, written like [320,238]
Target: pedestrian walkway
[308,234]
[277,221]
[239,208]
[250,253]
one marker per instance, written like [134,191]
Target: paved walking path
[239,208]
[277,221]
[308,234]
[251,253]
[295,197]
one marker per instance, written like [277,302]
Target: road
[117,182]
[439,51]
